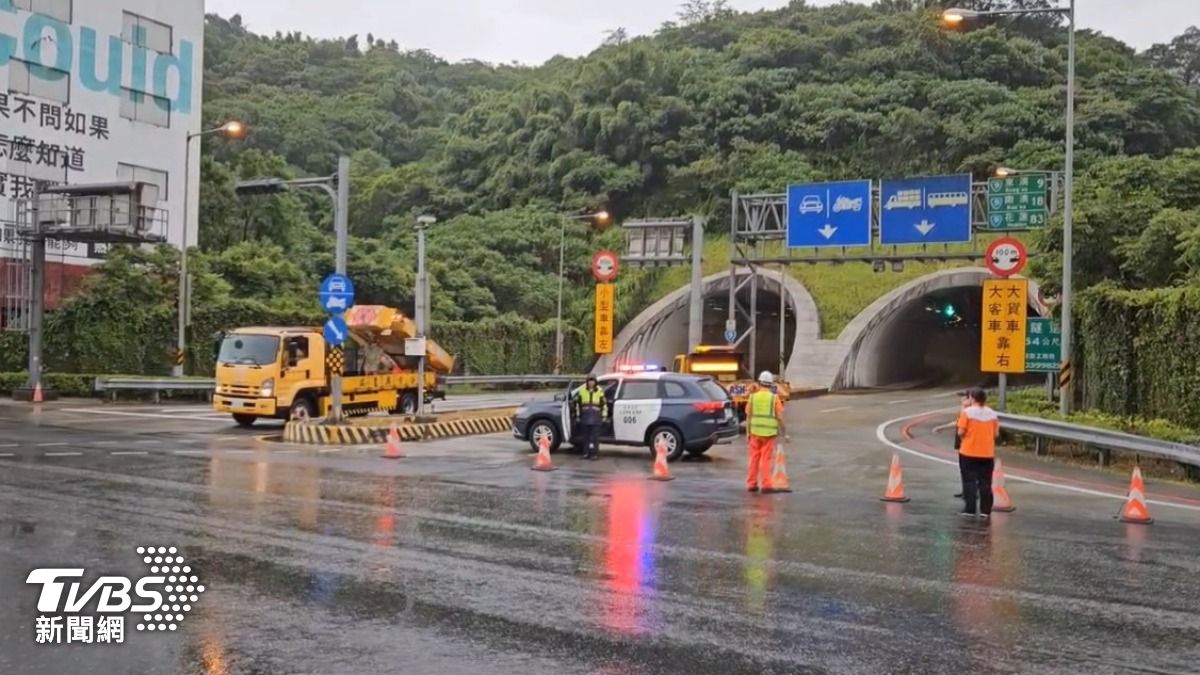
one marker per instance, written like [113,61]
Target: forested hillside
[660,125]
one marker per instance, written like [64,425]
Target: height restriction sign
[606,303]
[1005,311]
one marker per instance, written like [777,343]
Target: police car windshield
[715,391]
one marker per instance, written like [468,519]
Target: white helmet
[766,378]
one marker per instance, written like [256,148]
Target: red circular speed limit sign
[605,266]
[1006,257]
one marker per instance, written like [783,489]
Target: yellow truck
[283,373]
[727,366]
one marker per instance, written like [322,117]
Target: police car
[686,413]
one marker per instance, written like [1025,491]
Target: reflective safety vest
[763,422]
[591,404]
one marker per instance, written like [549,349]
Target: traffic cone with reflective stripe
[543,462]
[394,451]
[1135,509]
[1000,500]
[779,476]
[895,486]
[38,395]
[661,471]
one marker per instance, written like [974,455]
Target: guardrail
[158,385]
[1102,439]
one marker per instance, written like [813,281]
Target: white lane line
[903,400]
[64,454]
[152,441]
[239,452]
[50,445]
[188,452]
[7,454]
[287,452]
[160,416]
[833,410]
[107,443]
[326,451]
[881,434]
[118,453]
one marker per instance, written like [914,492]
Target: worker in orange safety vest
[978,426]
[764,424]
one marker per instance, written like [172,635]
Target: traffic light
[949,310]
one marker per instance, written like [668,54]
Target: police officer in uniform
[591,410]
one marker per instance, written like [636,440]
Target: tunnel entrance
[931,339]
[660,342]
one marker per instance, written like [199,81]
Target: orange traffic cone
[38,395]
[661,471]
[394,451]
[779,477]
[895,486]
[543,462]
[1000,500]
[1135,509]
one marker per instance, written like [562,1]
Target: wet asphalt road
[461,560]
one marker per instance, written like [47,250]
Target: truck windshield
[253,350]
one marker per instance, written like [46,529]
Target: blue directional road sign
[930,210]
[731,336]
[336,294]
[336,331]
[829,214]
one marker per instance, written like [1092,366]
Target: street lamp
[422,305]
[232,130]
[955,16]
[598,218]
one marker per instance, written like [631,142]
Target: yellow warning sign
[606,306]
[1005,310]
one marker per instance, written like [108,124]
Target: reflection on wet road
[347,564]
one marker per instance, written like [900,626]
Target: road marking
[326,451]
[833,410]
[117,453]
[239,452]
[160,416]
[881,435]
[151,441]
[188,452]
[64,454]
[107,443]
[287,452]
[903,400]
[7,454]
[50,445]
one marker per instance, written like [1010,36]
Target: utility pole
[696,310]
[341,218]
[422,307]
[37,291]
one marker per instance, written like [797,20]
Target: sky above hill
[531,31]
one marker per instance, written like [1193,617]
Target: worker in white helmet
[764,424]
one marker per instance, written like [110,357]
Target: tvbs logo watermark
[96,614]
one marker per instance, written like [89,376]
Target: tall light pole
[956,16]
[232,130]
[597,218]
[422,306]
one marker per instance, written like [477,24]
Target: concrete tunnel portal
[926,332]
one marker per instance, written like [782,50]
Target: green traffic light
[949,311]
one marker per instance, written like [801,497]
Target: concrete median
[374,430]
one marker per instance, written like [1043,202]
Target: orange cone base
[1003,509]
[387,456]
[895,500]
[775,490]
[1135,519]
[662,479]
[545,468]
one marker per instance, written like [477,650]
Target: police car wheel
[669,437]
[543,429]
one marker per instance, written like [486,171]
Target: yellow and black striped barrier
[315,433]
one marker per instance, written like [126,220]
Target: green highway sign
[1043,346]
[1018,202]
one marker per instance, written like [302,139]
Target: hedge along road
[920,435]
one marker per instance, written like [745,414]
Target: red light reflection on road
[629,563]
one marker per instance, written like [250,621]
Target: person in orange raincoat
[764,424]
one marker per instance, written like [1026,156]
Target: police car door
[638,406]
[568,404]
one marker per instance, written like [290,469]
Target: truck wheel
[302,409]
[244,421]
[547,430]
[668,436]
[408,404]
